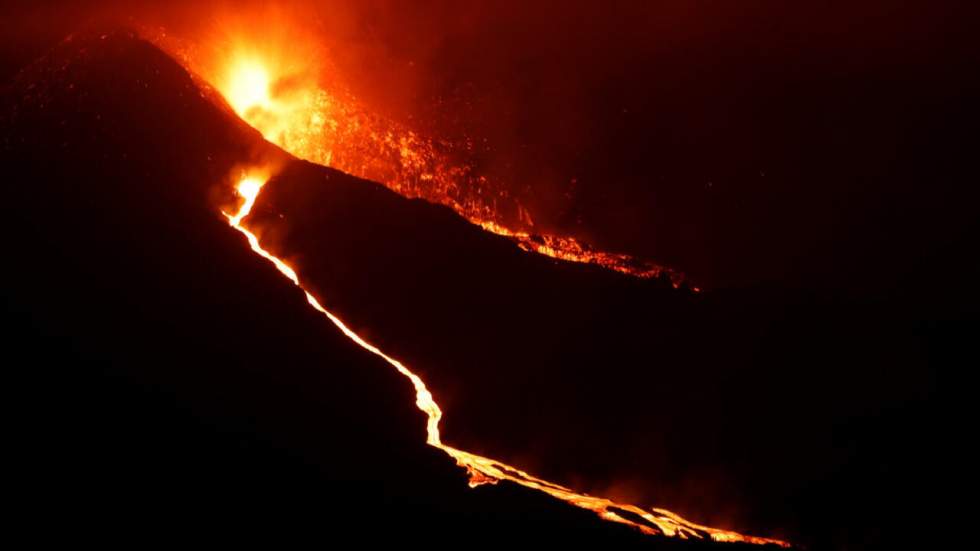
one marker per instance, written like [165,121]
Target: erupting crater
[280,92]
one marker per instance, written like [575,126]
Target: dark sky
[811,167]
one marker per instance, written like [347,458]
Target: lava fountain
[296,99]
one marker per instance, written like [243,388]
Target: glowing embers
[483,470]
[290,108]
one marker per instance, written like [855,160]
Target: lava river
[483,470]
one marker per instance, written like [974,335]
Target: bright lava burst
[291,109]
[483,470]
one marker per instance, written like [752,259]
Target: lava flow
[285,100]
[483,470]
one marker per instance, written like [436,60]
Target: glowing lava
[273,90]
[249,87]
[483,470]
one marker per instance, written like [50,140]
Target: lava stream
[483,470]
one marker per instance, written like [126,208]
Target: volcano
[175,382]
[159,329]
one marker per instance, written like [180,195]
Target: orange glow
[483,470]
[288,91]
[248,87]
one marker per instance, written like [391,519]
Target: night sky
[811,168]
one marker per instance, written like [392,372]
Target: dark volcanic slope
[171,382]
[179,378]
[723,406]
[756,409]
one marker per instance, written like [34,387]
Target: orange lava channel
[483,470]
